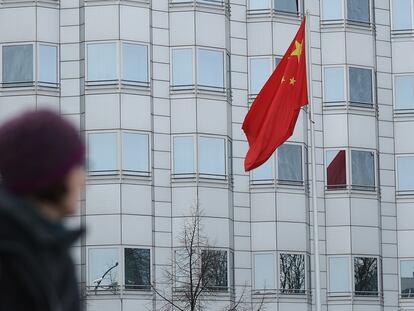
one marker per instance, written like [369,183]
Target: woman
[41,169]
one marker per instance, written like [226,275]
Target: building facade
[160,88]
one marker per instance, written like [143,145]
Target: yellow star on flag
[283,79]
[292,81]
[298,50]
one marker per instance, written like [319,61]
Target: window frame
[275,273]
[272,62]
[224,76]
[345,79]
[392,18]
[343,13]
[226,152]
[410,295]
[13,85]
[178,176]
[193,71]
[302,156]
[89,285]
[121,63]
[37,71]
[350,181]
[219,289]
[146,289]
[350,279]
[373,88]
[370,19]
[347,168]
[119,154]
[116,60]
[307,285]
[378,293]
[397,157]
[254,181]
[394,93]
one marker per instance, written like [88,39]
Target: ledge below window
[141,3]
[25,3]
[351,190]
[191,179]
[221,6]
[402,34]
[118,177]
[347,25]
[196,90]
[113,86]
[30,88]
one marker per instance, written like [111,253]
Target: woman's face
[75,181]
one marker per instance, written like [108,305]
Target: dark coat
[36,271]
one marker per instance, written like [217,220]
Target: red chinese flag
[272,117]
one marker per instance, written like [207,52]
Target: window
[289,163]
[137,268]
[334,92]
[401,14]
[292,273]
[332,9]
[135,154]
[214,269]
[134,63]
[259,4]
[264,172]
[260,70]
[363,169]
[210,70]
[17,63]
[103,152]
[360,85]
[366,276]
[336,169]
[358,10]
[407,278]
[48,72]
[212,156]
[264,271]
[288,6]
[404,92]
[103,268]
[183,155]
[182,267]
[405,172]
[338,275]
[182,71]
[102,62]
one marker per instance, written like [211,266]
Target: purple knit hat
[37,149]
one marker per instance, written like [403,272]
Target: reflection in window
[134,62]
[366,276]
[289,163]
[17,63]
[404,92]
[182,267]
[210,70]
[264,271]
[137,268]
[260,70]
[182,71]
[336,169]
[334,92]
[360,85]
[358,10]
[363,169]
[401,14]
[102,62]
[48,64]
[102,152]
[289,6]
[259,4]
[135,152]
[212,156]
[183,155]
[338,275]
[103,268]
[292,273]
[214,269]
[264,172]
[407,278]
[405,173]
[332,9]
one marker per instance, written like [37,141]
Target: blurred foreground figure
[41,169]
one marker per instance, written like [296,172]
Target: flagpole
[313,164]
